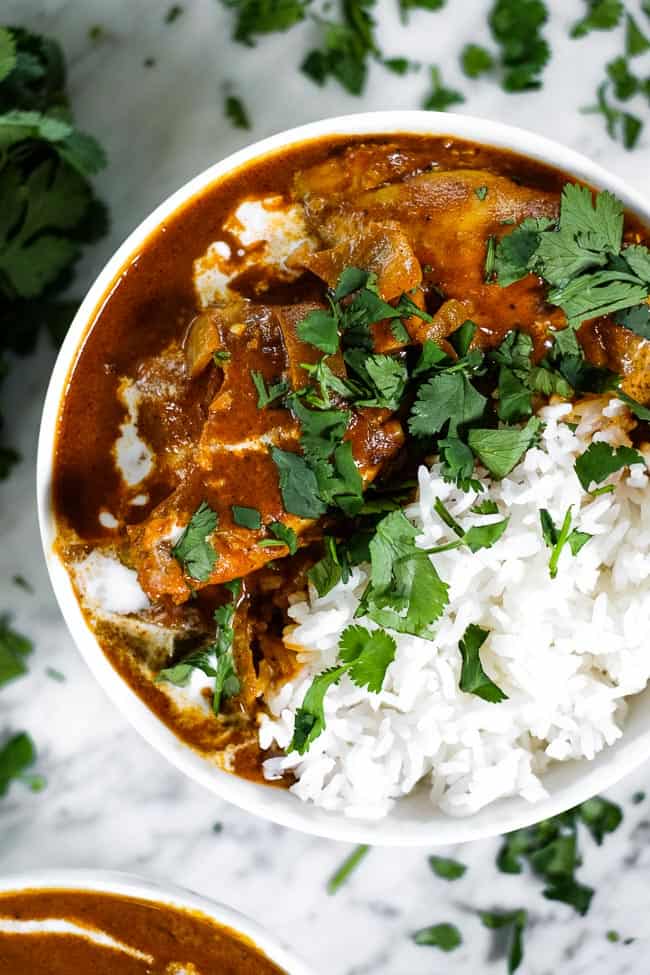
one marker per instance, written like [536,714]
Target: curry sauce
[147,938]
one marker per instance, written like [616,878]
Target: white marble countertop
[110,800]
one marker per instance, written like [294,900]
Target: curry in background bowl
[325,383]
[53,923]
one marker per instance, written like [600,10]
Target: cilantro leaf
[600,816]
[515,250]
[556,540]
[193,551]
[601,15]
[246,517]
[600,460]
[440,98]
[320,329]
[446,397]
[635,40]
[368,654]
[255,17]
[625,83]
[406,5]
[637,258]
[328,571]
[457,462]
[179,674]
[310,716]
[284,535]
[501,450]
[445,936]
[475,61]
[571,892]
[473,678]
[267,396]
[298,485]
[516,27]
[446,868]
[346,47]
[405,593]
[636,319]
[7,53]
[236,112]
[17,755]
[477,537]
[14,648]
[516,921]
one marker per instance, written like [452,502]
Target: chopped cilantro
[246,517]
[320,329]
[601,15]
[516,921]
[556,540]
[235,111]
[481,192]
[17,755]
[516,26]
[298,485]
[193,551]
[266,396]
[285,535]
[476,537]
[446,398]
[635,40]
[638,798]
[440,98]
[447,868]
[14,648]
[346,47]
[310,716]
[399,66]
[601,459]
[367,654]
[600,816]
[490,259]
[22,583]
[405,593]
[406,5]
[445,936]
[215,660]
[501,450]
[487,507]
[473,678]
[173,13]
[475,61]
[625,83]
[255,17]
[55,674]
[328,571]
[350,864]
[620,125]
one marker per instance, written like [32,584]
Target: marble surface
[110,801]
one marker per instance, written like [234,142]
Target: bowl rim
[393,830]
[132,885]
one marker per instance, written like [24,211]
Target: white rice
[567,651]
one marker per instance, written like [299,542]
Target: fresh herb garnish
[256,17]
[246,517]
[195,553]
[236,112]
[516,27]
[266,396]
[445,936]
[476,537]
[446,868]
[501,450]
[17,755]
[557,539]
[282,535]
[320,329]
[516,921]
[601,459]
[298,485]
[601,15]
[14,648]
[329,570]
[215,660]
[350,864]
[473,678]
[173,13]
[365,656]
[441,98]
[635,40]
[405,593]
[347,45]
[475,61]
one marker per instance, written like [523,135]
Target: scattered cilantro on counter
[174,12]
[476,60]
[347,45]
[635,40]
[441,98]
[257,17]
[514,920]
[14,649]
[236,112]
[516,27]
[445,936]
[405,6]
[600,15]
[46,200]
[350,864]
[17,755]
[193,551]
[446,868]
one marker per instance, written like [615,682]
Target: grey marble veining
[110,800]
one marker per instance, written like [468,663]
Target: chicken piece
[232,464]
[382,248]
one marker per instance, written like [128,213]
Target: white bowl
[128,885]
[413,822]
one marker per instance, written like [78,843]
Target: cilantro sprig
[364,656]
[473,679]
[557,538]
[196,555]
[581,257]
